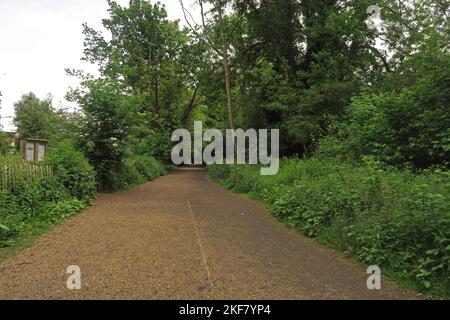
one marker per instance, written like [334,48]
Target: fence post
[10,172]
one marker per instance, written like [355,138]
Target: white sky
[40,38]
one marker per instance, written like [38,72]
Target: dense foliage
[72,170]
[307,66]
[130,111]
[32,202]
[410,127]
[5,144]
[371,103]
[395,219]
[366,111]
[38,119]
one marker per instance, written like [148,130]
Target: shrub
[22,206]
[34,202]
[72,171]
[396,219]
[410,128]
[5,146]
[57,212]
[136,170]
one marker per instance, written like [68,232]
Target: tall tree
[146,54]
[35,118]
[221,48]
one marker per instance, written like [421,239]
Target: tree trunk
[226,66]
[190,107]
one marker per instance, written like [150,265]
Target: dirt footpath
[183,237]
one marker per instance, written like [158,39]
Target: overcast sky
[40,38]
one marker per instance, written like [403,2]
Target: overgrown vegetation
[364,115]
[5,145]
[30,203]
[365,111]
[409,128]
[396,219]
[112,141]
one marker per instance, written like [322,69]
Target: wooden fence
[11,172]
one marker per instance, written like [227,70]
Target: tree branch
[203,37]
[191,105]
[379,55]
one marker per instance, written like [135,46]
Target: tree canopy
[316,70]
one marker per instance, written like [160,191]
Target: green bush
[396,219]
[23,206]
[72,171]
[408,128]
[35,202]
[137,170]
[5,146]
[32,203]
[57,212]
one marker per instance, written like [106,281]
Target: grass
[30,231]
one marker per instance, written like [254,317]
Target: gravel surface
[183,237]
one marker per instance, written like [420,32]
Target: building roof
[36,140]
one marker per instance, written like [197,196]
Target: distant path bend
[183,237]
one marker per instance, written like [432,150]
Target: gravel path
[183,237]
